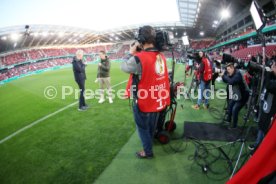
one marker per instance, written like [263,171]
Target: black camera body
[195,57]
[252,67]
[163,41]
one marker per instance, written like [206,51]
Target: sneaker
[101,100]
[206,106]
[251,147]
[233,128]
[143,155]
[82,109]
[110,100]
[86,106]
[196,107]
[227,123]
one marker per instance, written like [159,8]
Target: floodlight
[257,15]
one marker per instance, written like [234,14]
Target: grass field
[97,145]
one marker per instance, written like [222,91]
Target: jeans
[202,87]
[234,108]
[145,124]
[82,89]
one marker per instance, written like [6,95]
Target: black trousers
[265,121]
[82,89]
[214,77]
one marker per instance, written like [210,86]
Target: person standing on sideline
[80,77]
[149,74]
[205,71]
[103,77]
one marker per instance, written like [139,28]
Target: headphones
[142,37]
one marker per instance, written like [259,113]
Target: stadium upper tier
[25,61]
[36,54]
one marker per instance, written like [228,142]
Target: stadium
[47,137]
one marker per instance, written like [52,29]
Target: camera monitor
[185,40]
[257,15]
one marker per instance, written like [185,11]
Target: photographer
[80,77]
[205,72]
[237,87]
[268,105]
[149,72]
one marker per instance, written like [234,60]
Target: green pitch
[70,147]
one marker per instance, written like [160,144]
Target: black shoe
[86,106]
[252,152]
[206,106]
[227,123]
[142,155]
[82,109]
[233,128]
[251,147]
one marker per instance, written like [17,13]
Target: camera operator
[205,72]
[80,77]
[148,70]
[239,97]
[268,105]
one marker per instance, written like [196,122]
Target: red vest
[153,87]
[207,76]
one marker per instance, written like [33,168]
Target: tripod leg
[238,160]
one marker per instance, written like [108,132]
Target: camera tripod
[254,101]
[193,86]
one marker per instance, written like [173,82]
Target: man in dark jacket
[80,77]
[268,105]
[238,92]
[104,77]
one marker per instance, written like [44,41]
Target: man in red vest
[148,86]
[205,71]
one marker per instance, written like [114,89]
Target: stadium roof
[194,16]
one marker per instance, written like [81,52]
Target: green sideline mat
[214,132]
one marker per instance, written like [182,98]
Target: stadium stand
[30,67]
[253,51]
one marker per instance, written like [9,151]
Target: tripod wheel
[163,137]
[170,126]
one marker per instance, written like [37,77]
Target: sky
[93,14]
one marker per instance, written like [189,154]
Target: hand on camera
[133,48]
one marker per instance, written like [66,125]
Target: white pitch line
[45,117]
